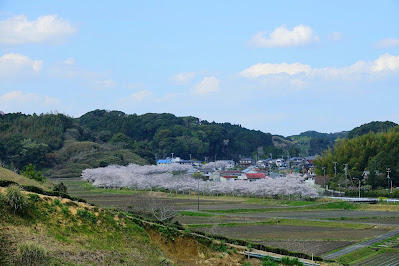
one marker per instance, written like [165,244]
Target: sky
[282,67]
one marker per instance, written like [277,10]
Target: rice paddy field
[316,227]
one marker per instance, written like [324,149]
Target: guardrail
[364,199]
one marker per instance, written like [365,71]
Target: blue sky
[282,67]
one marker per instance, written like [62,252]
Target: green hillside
[313,142]
[375,126]
[167,133]
[374,152]
[37,229]
[7,175]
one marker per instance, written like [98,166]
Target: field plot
[386,258]
[376,220]
[264,232]
[323,214]
[316,247]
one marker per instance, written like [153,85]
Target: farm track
[362,245]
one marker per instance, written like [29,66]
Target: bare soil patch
[289,233]
[316,247]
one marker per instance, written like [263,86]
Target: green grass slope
[54,231]
[8,175]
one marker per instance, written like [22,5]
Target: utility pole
[346,175]
[335,170]
[324,171]
[359,185]
[388,177]
[198,194]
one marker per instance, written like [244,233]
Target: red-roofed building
[254,176]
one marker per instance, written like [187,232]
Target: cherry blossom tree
[175,179]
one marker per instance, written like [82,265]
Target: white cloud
[16,65]
[335,36]
[15,101]
[19,30]
[139,96]
[272,69]
[207,85]
[300,35]
[183,78]
[387,43]
[384,64]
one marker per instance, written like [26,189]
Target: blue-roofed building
[164,161]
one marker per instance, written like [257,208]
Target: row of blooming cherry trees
[173,179]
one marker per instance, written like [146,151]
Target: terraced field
[305,226]
[386,259]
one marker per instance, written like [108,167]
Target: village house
[245,162]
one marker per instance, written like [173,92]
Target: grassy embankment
[61,231]
[8,175]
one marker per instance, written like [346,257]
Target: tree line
[371,152]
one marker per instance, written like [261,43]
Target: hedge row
[374,193]
[6,183]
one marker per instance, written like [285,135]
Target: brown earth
[288,232]
[188,251]
[318,248]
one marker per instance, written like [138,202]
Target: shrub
[34,197]
[30,172]
[60,188]
[87,215]
[57,202]
[32,254]
[289,261]
[66,211]
[72,204]
[15,199]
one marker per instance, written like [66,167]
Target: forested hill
[375,126]
[313,142]
[315,134]
[63,146]
[374,152]
[166,134]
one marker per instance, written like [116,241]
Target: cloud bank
[19,30]
[300,35]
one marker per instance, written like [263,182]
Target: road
[361,245]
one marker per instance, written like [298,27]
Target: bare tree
[159,208]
